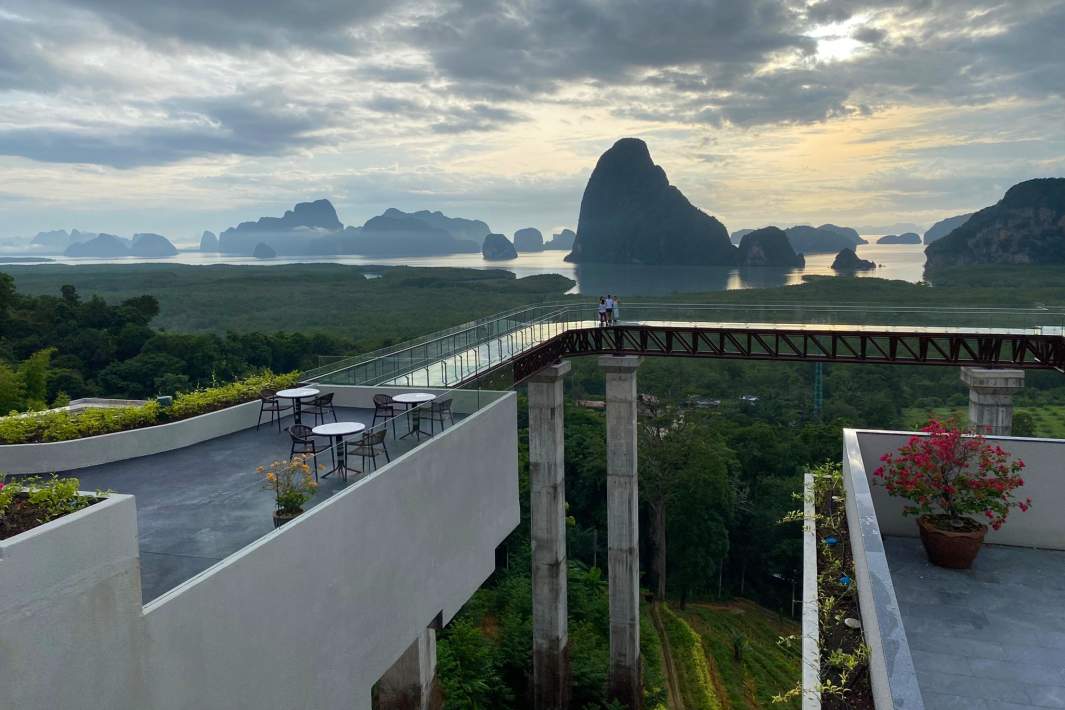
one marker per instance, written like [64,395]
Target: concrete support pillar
[623,529]
[991,398]
[547,493]
[410,684]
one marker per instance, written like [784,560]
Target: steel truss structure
[838,344]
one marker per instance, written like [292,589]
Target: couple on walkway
[609,308]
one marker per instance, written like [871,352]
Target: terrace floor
[989,638]
[202,503]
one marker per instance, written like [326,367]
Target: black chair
[371,443]
[303,442]
[437,411]
[269,402]
[384,408]
[319,406]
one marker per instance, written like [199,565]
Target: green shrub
[64,426]
[30,502]
[693,672]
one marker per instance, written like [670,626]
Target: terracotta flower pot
[955,549]
[282,517]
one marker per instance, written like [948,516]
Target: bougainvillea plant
[952,475]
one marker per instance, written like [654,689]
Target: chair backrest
[267,395]
[324,400]
[443,405]
[382,400]
[373,438]
[300,432]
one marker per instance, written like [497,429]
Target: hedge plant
[66,425]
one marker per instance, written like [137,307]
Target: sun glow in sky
[127,117]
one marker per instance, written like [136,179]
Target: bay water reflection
[896,261]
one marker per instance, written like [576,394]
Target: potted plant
[293,484]
[949,476]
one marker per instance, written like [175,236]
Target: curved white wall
[62,456]
[59,456]
[308,616]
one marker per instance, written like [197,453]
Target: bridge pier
[991,398]
[547,504]
[410,684]
[623,529]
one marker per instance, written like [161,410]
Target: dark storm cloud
[442,118]
[870,35]
[243,125]
[271,24]
[469,66]
[518,49]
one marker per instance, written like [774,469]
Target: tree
[11,398]
[1023,424]
[33,372]
[683,464]
[466,668]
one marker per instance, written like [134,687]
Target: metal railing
[451,357]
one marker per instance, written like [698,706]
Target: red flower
[950,471]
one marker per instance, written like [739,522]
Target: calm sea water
[897,261]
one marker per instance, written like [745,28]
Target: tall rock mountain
[288,234]
[630,214]
[944,227]
[1027,226]
[737,236]
[263,250]
[209,242]
[768,247]
[152,246]
[102,246]
[57,241]
[847,261]
[398,234]
[828,238]
[529,239]
[562,240]
[905,238]
[497,247]
[848,232]
[460,228]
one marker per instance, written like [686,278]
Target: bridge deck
[518,344]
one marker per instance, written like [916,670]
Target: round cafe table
[412,400]
[296,394]
[337,431]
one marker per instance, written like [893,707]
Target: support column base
[411,683]
[551,679]
[626,687]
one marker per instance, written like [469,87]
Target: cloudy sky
[126,115]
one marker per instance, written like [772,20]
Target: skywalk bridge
[508,348]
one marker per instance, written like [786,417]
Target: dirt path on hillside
[676,700]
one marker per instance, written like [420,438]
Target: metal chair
[437,411]
[368,447]
[269,402]
[384,408]
[319,406]
[303,442]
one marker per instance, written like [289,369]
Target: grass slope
[1048,419]
[690,663]
[704,640]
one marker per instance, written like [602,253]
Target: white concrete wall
[118,446]
[309,616]
[70,613]
[1044,482]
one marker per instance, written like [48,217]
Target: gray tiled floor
[989,638]
[199,504]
